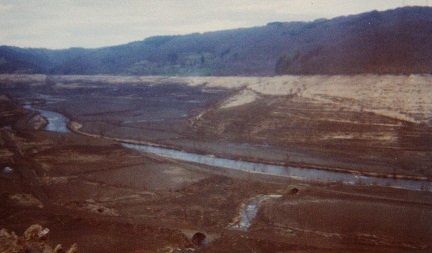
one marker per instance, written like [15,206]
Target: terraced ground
[110,199]
[365,123]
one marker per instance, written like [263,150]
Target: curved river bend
[58,123]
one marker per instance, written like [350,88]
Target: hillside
[396,41]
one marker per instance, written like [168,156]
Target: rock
[33,232]
[73,248]
[31,121]
[37,122]
[7,170]
[58,249]
[44,233]
[9,242]
[75,126]
[34,240]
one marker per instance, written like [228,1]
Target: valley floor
[106,198]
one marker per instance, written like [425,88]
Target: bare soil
[110,199]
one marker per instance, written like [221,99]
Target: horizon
[91,25]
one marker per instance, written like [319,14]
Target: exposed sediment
[104,197]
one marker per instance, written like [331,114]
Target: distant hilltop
[390,42]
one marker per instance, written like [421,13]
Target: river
[58,123]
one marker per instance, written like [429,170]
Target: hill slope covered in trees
[396,41]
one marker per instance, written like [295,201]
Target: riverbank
[108,198]
[285,169]
[400,181]
[313,122]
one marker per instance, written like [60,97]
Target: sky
[95,23]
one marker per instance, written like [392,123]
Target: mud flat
[108,198]
[372,124]
[58,123]
[377,125]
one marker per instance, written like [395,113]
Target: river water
[58,123]
[249,211]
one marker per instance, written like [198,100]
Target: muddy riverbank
[59,123]
[313,125]
[108,198]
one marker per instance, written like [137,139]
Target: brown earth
[110,199]
[364,123]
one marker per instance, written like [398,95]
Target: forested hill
[396,41]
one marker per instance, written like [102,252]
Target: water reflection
[58,123]
[316,175]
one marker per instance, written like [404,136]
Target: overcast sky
[95,23]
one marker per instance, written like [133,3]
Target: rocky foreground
[34,239]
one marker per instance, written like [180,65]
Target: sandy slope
[398,96]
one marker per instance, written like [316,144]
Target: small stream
[58,123]
[249,210]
